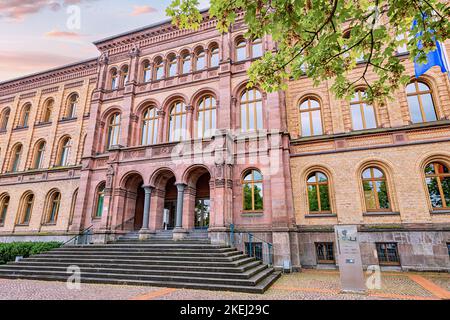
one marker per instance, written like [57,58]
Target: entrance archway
[164,200]
[133,209]
[170,205]
[198,202]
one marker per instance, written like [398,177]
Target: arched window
[150,126]
[363,114]
[25,116]
[4,117]
[147,71]
[47,113]
[251,110]
[72,104]
[124,76]
[159,68]
[214,56]
[53,204]
[437,177]
[420,101]
[206,120]
[241,50]
[16,157]
[26,209]
[172,67]
[186,62]
[64,152]
[200,59]
[72,206]
[376,193]
[39,151]
[318,193]
[99,200]
[4,204]
[114,79]
[113,131]
[310,118]
[177,122]
[256,48]
[252,189]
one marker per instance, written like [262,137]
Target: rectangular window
[325,252]
[388,254]
[254,250]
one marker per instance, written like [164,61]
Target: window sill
[321,215]
[22,225]
[439,212]
[252,214]
[3,131]
[63,120]
[381,213]
[20,128]
[49,224]
[43,124]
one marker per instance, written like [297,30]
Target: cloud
[139,10]
[62,34]
[19,9]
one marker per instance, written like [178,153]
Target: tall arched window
[25,116]
[72,206]
[113,131]
[363,114]
[114,79]
[4,118]
[214,56]
[200,59]
[318,193]
[206,120]
[47,112]
[376,192]
[310,118]
[186,62]
[4,204]
[251,110]
[99,200]
[420,101]
[72,104]
[52,209]
[150,126]
[172,67]
[252,190]
[437,177]
[177,122]
[39,155]
[64,152]
[16,156]
[26,209]
[241,49]
[124,76]
[147,71]
[257,48]
[159,68]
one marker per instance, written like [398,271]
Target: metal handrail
[251,237]
[124,223]
[82,233]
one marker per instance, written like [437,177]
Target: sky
[36,35]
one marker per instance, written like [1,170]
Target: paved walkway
[308,285]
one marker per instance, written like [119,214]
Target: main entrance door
[202,208]
[170,210]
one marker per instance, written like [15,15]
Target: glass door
[202,208]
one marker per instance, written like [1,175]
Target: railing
[123,224]
[83,238]
[250,244]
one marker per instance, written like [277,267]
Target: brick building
[161,132]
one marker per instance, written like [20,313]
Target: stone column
[179,233]
[145,231]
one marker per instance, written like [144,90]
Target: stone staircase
[190,263]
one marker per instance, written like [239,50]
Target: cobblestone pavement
[308,285]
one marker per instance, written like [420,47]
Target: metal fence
[252,245]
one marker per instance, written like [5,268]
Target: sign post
[349,257]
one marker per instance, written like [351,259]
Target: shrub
[9,251]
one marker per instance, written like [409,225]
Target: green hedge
[9,251]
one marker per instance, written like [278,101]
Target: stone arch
[172,98]
[201,93]
[130,201]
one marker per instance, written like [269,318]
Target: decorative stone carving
[104,58]
[134,51]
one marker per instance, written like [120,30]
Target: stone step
[137,267]
[260,288]
[142,261]
[145,256]
[142,252]
[138,249]
[252,281]
[149,271]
